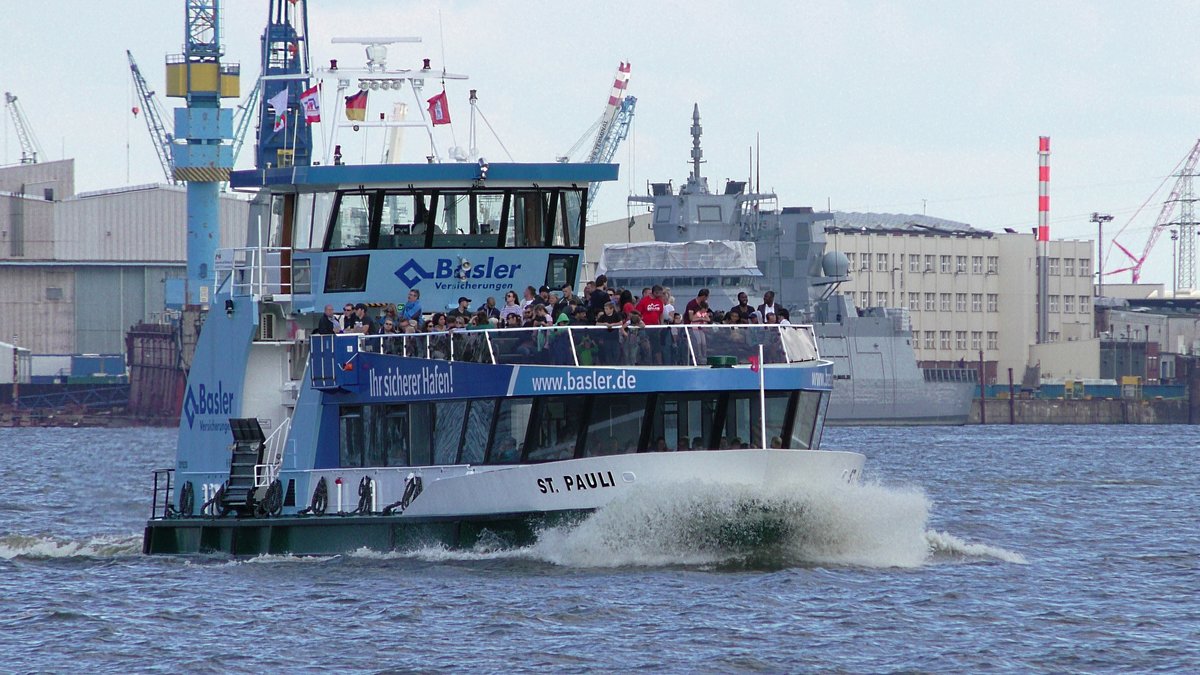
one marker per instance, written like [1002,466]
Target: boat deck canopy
[320,178]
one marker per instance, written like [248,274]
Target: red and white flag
[439,109]
[754,363]
[310,100]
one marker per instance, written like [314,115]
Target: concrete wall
[1096,411]
[1078,360]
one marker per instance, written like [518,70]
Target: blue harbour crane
[284,68]
[153,113]
[203,158]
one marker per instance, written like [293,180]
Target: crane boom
[617,133]
[247,112]
[1164,216]
[30,149]
[154,115]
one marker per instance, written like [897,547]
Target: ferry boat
[292,442]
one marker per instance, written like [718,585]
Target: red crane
[1188,165]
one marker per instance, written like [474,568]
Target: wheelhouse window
[457,218]
[708,214]
[346,273]
[352,221]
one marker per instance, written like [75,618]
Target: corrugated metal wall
[109,301]
[41,324]
[148,224]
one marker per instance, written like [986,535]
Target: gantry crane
[30,149]
[153,113]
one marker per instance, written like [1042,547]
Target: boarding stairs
[246,453]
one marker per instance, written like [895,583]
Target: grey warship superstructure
[741,239]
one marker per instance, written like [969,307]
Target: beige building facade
[970,291]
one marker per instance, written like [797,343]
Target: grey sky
[886,106]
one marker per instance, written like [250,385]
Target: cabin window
[392,436]
[615,426]
[346,273]
[527,221]
[559,421]
[662,215]
[805,433]
[571,221]
[420,418]
[351,437]
[512,423]
[560,269]
[708,214]
[403,218]
[352,221]
[448,428]
[479,428]
[467,220]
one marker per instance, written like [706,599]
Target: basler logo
[462,273]
[203,401]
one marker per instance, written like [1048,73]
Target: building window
[1085,304]
[945,298]
[977,302]
[993,339]
[929,335]
[54,293]
[976,264]
[1085,267]
[930,302]
[1053,305]
[864,299]
[976,340]
[960,339]
[993,264]
[1068,267]
[914,262]
[914,301]
[960,302]
[928,263]
[960,263]
[881,298]
[993,300]
[944,339]
[945,263]
[1053,267]
[881,262]
[850,259]
[865,262]
[1068,304]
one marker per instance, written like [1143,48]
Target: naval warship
[741,240]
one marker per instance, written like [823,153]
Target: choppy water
[1064,549]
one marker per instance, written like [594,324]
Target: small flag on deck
[278,103]
[754,363]
[310,100]
[356,106]
[439,109]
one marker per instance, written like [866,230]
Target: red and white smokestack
[1043,231]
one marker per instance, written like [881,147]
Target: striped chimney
[1043,231]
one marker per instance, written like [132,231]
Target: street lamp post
[1100,219]
[1174,278]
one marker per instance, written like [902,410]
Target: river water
[1060,549]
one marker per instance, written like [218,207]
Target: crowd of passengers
[623,343]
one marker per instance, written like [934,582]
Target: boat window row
[464,218]
[697,282]
[545,429]
[582,345]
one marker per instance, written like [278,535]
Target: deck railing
[679,345]
[258,271]
[268,471]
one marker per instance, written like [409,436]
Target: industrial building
[78,270]
[969,290]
